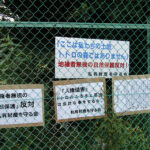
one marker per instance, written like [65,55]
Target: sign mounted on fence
[90,58]
[131,95]
[79,99]
[21,105]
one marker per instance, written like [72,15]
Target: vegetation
[27,56]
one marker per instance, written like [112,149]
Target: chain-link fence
[103,41]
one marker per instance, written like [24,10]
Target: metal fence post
[148,55]
[148,43]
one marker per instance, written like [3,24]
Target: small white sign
[131,95]
[90,58]
[79,99]
[21,105]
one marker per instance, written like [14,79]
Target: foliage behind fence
[27,53]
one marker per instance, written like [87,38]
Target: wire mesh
[27,53]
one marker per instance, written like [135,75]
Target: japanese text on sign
[80,58]
[79,100]
[21,105]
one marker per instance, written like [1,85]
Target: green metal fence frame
[75,25]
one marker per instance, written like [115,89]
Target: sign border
[25,86]
[128,78]
[68,82]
